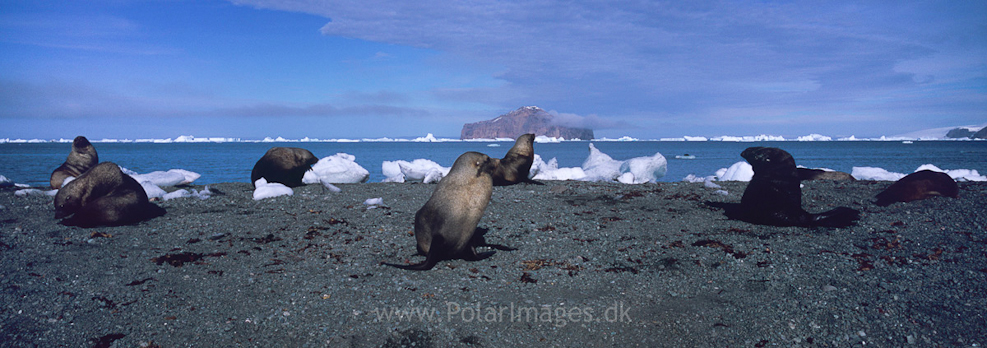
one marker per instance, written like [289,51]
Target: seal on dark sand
[516,164]
[82,157]
[104,195]
[918,185]
[445,225]
[286,165]
[806,174]
[774,197]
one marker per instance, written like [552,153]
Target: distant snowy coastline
[540,139]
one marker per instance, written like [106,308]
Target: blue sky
[353,69]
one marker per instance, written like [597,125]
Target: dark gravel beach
[597,264]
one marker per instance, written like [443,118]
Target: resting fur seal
[445,225]
[104,195]
[286,165]
[806,174]
[774,197]
[82,157]
[918,185]
[516,164]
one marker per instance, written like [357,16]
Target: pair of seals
[445,225]
[104,195]
[774,196]
[516,164]
[82,157]
[918,185]
[286,165]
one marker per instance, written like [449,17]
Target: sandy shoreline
[602,265]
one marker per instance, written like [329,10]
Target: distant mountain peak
[526,119]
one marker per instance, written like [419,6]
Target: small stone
[829,288]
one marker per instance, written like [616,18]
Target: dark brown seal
[806,174]
[516,165]
[918,185]
[286,165]
[445,225]
[104,195]
[81,158]
[774,196]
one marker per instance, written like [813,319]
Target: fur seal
[516,164]
[104,195]
[918,185]
[445,225]
[286,165]
[774,196]
[806,174]
[82,157]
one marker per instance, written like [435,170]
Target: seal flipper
[435,254]
[839,217]
[533,182]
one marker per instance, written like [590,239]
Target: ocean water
[32,163]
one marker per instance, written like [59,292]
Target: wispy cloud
[626,57]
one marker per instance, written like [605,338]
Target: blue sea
[32,163]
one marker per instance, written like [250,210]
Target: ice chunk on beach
[740,171]
[551,171]
[182,193]
[265,189]
[418,170]
[171,177]
[875,174]
[643,169]
[340,168]
[599,166]
[152,190]
[4,182]
[29,192]
[956,174]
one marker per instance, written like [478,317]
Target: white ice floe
[640,170]
[152,182]
[182,193]
[152,190]
[171,177]
[373,203]
[551,171]
[265,189]
[881,174]
[740,171]
[599,166]
[340,168]
[4,182]
[418,170]
[34,192]
[330,186]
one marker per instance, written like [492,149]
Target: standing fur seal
[104,195]
[918,185]
[516,164]
[445,225]
[286,165]
[82,157]
[774,197]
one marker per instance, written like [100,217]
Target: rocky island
[528,119]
